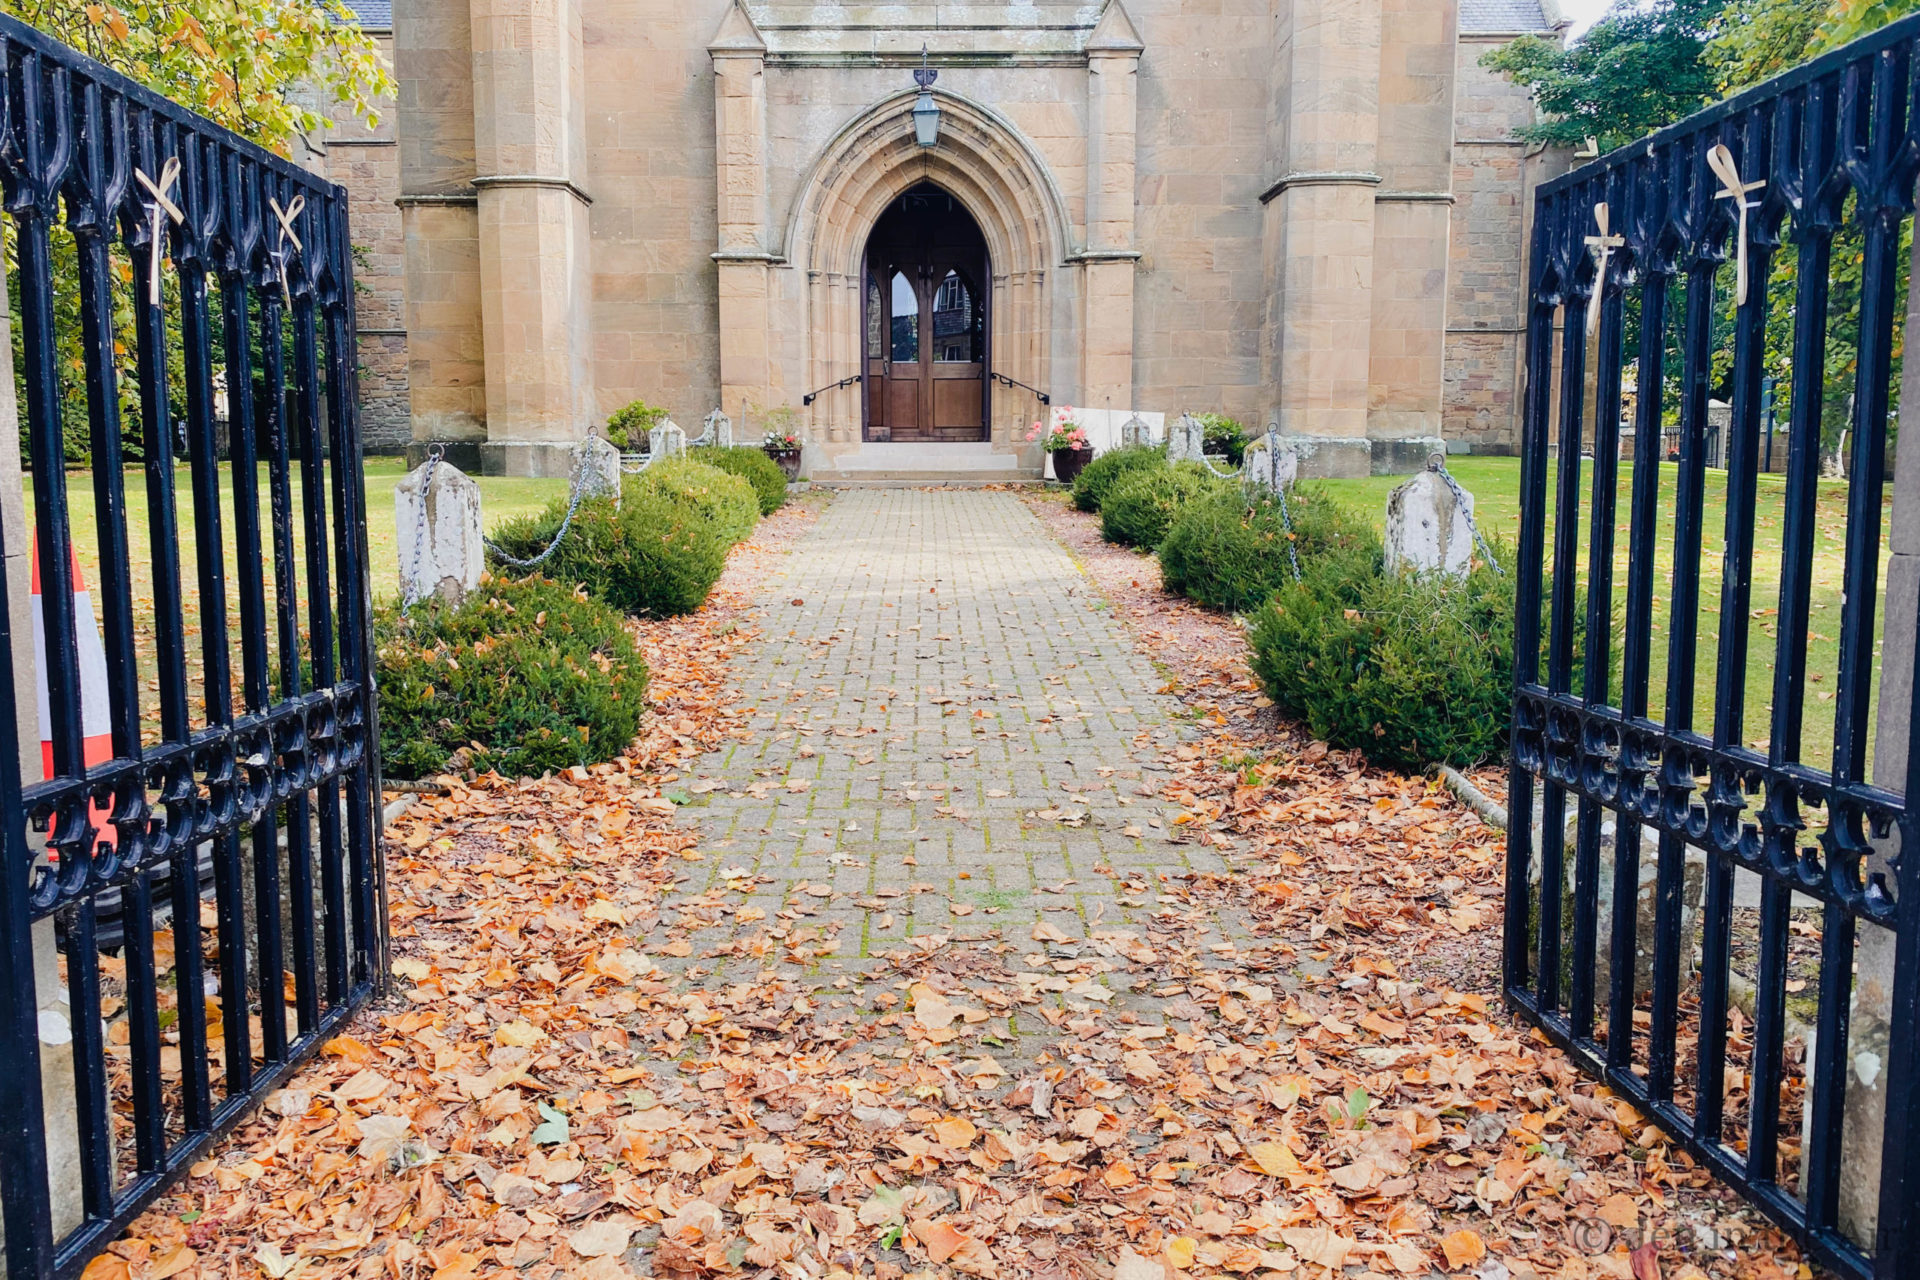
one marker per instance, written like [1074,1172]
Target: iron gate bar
[73,137]
[1845,126]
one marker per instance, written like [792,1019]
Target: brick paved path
[952,738]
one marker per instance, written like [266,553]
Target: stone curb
[1473,797]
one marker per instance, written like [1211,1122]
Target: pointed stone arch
[983,161]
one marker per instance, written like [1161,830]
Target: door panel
[956,400]
[903,408]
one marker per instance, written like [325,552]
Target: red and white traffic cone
[95,713]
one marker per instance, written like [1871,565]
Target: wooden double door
[926,322]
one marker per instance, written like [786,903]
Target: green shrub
[1140,508]
[1229,552]
[756,468]
[1225,433]
[525,677]
[1100,475]
[1412,668]
[726,500]
[658,555]
[627,427]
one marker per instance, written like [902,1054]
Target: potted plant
[1066,441]
[783,446]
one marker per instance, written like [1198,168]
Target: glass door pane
[906,320]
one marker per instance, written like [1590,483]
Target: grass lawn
[501,500]
[1495,486]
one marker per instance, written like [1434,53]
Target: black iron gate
[1779,902]
[191,899]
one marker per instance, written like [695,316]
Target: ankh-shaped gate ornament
[162,207]
[1720,160]
[1603,246]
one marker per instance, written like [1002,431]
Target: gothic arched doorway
[927,286]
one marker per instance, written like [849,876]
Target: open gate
[185,919]
[1718,913]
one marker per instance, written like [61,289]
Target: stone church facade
[1309,213]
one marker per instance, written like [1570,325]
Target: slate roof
[377,15]
[1503,17]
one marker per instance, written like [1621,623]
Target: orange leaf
[1463,1248]
[940,1239]
[172,1262]
[108,1266]
[956,1133]
[1274,1158]
[1180,1251]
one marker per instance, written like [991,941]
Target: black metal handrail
[276,786]
[1829,147]
[847,381]
[1038,394]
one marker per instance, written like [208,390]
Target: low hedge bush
[1229,551]
[726,500]
[1140,508]
[525,677]
[657,555]
[1100,475]
[1412,668]
[756,468]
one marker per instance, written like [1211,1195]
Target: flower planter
[789,460]
[1068,463]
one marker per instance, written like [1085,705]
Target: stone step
[902,478]
[927,457]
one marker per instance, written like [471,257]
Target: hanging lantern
[926,115]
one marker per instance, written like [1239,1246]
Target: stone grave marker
[666,440]
[1186,439]
[437,518]
[599,469]
[1428,527]
[1270,465]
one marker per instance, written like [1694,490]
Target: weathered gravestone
[1429,525]
[1186,439]
[666,440]
[599,469]
[719,430]
[436,511]
[1135,432]
[1269,465]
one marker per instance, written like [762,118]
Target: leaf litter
[551,1091]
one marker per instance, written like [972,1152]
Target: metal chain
[1438,463]
[1286,520]
[578,489]
[410,596]
[1207,461]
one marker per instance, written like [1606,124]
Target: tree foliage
[266,69]
[1645,66]
[1635,70]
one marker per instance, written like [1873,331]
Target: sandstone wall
[367,162]
[1494,174]
[1212,106]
